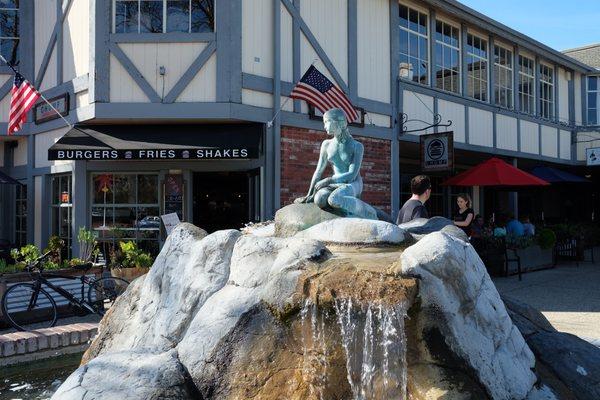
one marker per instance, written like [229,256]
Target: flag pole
[270,123]
[40,93]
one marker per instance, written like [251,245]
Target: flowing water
[374,344]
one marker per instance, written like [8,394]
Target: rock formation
[240,316]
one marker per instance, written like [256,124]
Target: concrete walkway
[568,296]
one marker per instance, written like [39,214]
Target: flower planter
[129,274]
[533,258]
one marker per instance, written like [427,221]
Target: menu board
[174,192]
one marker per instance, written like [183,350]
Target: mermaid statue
[339,193]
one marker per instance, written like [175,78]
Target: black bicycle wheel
[103,292]
[26,308]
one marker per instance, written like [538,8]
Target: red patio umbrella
[495,172]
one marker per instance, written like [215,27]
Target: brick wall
[299,155]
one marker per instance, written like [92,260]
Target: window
[526,85]
[546,92]
[126,207]
[447,57]
[414,49]
[592,100]
[477,68]
[62,211]
[159,16]
[20,215]
[503,77]
[9,30]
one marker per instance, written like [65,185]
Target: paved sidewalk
[568,296]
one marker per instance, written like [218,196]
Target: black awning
[159,142]
[554,175]
[7,180]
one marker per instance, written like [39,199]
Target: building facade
[135,71]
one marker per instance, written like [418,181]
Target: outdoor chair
[567,249]
[511,256]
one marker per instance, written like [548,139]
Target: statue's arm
[353,169]
[321,165]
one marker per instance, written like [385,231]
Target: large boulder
[232,316]
[294,218]
[462,320]
[131,375]
[566,363]
[420,227]
[354,231]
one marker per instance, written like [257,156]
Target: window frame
[468,56]
[587,97]
[509,89]
[524,75]
[453,25]
[427,38]
[163,22]
[20,217]
[68,239]
[135,206]
[550,86]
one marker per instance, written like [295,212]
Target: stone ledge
[41,340]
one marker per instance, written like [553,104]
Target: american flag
[23,97]
[316,89]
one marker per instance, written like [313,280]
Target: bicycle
[27,303]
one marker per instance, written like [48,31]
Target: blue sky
[557,23]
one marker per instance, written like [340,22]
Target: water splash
[374,344]
[375,347]
[314,348]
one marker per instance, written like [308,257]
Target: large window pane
[124,189]
[147,189]
[151,16]
[593,83]
[178,16]
[203,16]
[414,52]
[447,57]
[126,16]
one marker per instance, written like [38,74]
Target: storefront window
[21,216]
[126,207]
[62,211]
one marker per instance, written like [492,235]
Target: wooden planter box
[129,274]
[533,258]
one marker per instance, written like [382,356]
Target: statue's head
[336,124]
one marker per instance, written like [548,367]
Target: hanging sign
[437,151]
[592,156]
[43,112]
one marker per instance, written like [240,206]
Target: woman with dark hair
[465,214]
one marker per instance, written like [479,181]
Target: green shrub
[134,257]
[26,254]
[546,238]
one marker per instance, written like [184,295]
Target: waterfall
[374,343]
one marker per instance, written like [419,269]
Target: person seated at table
[478,227]
[500,226]
[514,227]
[528,227]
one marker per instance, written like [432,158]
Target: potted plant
[130,261]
